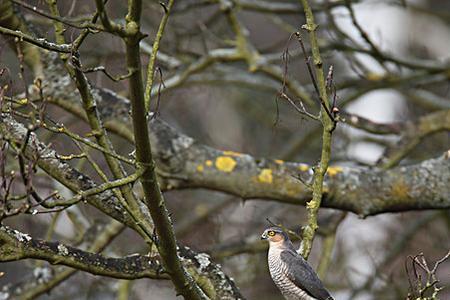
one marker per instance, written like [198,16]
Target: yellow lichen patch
[265,176]
[200,168]
[208,163]
[331,171]
[232,153]
[311,205]
[279,161]
[225,163]
[374,76]
[303,167]
[22,101]
[399,189]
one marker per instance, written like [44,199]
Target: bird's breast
[278,271]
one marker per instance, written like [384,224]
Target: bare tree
[99,161]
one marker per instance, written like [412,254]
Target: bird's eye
[271,233]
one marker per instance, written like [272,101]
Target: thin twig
[40,42]
[301,109]
[104,71]
[151,64]
[311,75]
[62,20]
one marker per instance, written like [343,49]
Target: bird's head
[275,235]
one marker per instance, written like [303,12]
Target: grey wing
[303,276]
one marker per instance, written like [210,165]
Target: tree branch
[16,245]
[328,125]
[30,289]
[369,125]
[9,19]
[40,42]
[354,189]
[109,25]
[414,133]
[151,64]
[167,248]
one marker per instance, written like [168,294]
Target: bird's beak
[264,236]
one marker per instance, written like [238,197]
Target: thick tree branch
[15,245]
[362,190]
[189,164]
[30,289]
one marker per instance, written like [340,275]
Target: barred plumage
[278,271]
[293,276]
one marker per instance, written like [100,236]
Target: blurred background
[391,64]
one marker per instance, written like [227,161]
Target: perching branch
[328,125]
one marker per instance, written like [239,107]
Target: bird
[290,272]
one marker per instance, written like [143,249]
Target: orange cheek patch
[276,238]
